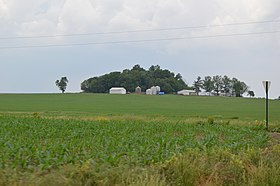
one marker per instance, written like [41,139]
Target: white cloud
[88,15]
[42,17]
[50,17]
[78,16]
[37,28]
[3,8]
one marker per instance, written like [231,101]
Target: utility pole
[266,85]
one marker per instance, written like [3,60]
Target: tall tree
[226,84]
[154,68]
[217,83]
[137,68]
[197,84]
[207,84]
[178,76]
[62,84]
[239,88]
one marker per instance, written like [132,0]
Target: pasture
[170,106]
[100,139]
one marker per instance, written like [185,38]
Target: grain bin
[138,90]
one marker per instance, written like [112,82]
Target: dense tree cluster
[221,85]
[62,84]
[137,76]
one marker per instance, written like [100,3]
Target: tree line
[137,76]
[167,80]
[221,85]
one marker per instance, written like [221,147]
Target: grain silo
[148,91]
[154,90]
[138,90]
[158,89]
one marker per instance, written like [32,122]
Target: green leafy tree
[137,68]
[226,85]
[137,76]
[197,84]
[154,68]
[239,88]
[207,84]
[178,76]
[62,84]
[217,84]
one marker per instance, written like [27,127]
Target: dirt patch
[274,138]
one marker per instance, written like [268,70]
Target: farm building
[117,90]
[138,90]
[154,90]
[187,92]
[149,91]
[158,89]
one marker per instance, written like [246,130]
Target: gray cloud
[242,56]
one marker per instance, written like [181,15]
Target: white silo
[138,90]
[158,89]
[154,90]
[149,91]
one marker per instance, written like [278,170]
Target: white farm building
[117,90]
[154,90]
[187,92]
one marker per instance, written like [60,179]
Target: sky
[44,40]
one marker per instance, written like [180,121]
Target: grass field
[139,105]
[100,139]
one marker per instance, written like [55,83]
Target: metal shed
[117,90]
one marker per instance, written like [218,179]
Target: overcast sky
[251,58]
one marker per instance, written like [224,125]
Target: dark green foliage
[239,87]
[137,76]
[62,84]
[226,85]
[251,93]
[198,84]
[208,85]
[218,84]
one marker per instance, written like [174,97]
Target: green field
[100,139]
[139,105]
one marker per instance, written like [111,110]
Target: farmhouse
[187,93]
[117,90]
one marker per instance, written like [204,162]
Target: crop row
[32,143]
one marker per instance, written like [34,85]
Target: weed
[36,115]
[210,120]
